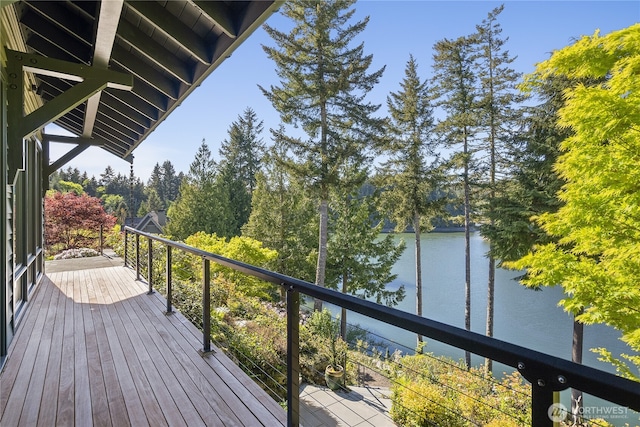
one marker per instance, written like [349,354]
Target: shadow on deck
[95,349]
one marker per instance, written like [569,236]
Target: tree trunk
[416,230]
[488,363]
[576,356]
[467,268]
[467,248]
[343,314]
[322,250]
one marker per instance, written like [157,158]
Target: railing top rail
[541,369]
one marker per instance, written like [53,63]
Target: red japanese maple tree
[74,221]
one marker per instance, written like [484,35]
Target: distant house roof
[153,222]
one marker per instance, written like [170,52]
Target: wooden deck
[95,349]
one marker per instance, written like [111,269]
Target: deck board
[95,349]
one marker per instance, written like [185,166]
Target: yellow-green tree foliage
[597,257]
[243,249]
[430,391]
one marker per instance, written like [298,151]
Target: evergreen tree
[244,149]
[201,205]
[407,177]
[455,90]
[498,112]
[170,183]
[155,181]
[283,217]
[90,185]
[324,80]
[153,203]
[241,156]
[71,175]
[107,176]
[359,262]
[165,183]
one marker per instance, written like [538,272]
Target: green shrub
[422,403]
[425,385]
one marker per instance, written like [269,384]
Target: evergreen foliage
[324,80]
[283,217]
[360,261]
[498,117]
[241,157]
[456,94]
[201,205]
[411,175]
[165,184]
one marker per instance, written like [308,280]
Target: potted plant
[334,372]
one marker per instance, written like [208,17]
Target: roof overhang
[166,49]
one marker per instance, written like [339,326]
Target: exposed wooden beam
[52,34]
[145,72]
[63,19]
[220,14]
[72,140]
[108,19]
[132,106]
[20,126]
[157,16]
[156,53]
[66,158]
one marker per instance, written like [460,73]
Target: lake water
[524,317]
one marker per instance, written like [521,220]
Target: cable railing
[545,373]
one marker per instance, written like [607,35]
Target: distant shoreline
[435,230]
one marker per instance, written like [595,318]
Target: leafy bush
[243,249]
[321,345]
[73,221]
[114,239]
[431,390]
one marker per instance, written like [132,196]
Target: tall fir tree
[324,80]
[170,183]
[283,217]
[155,181]
[410,176]
[455,91]
[241,156]
[499,117]
[360,262]
[201,205]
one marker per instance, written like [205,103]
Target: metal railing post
[101,240]
[168,275]
[137,256]
[206,306]
[126,243]
[547,374]
[150,267]
[293,357]
[542,409]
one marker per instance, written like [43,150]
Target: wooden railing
[547,374]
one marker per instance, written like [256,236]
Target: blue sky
[396,29]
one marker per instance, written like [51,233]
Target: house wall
[5,249]
[21,205]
